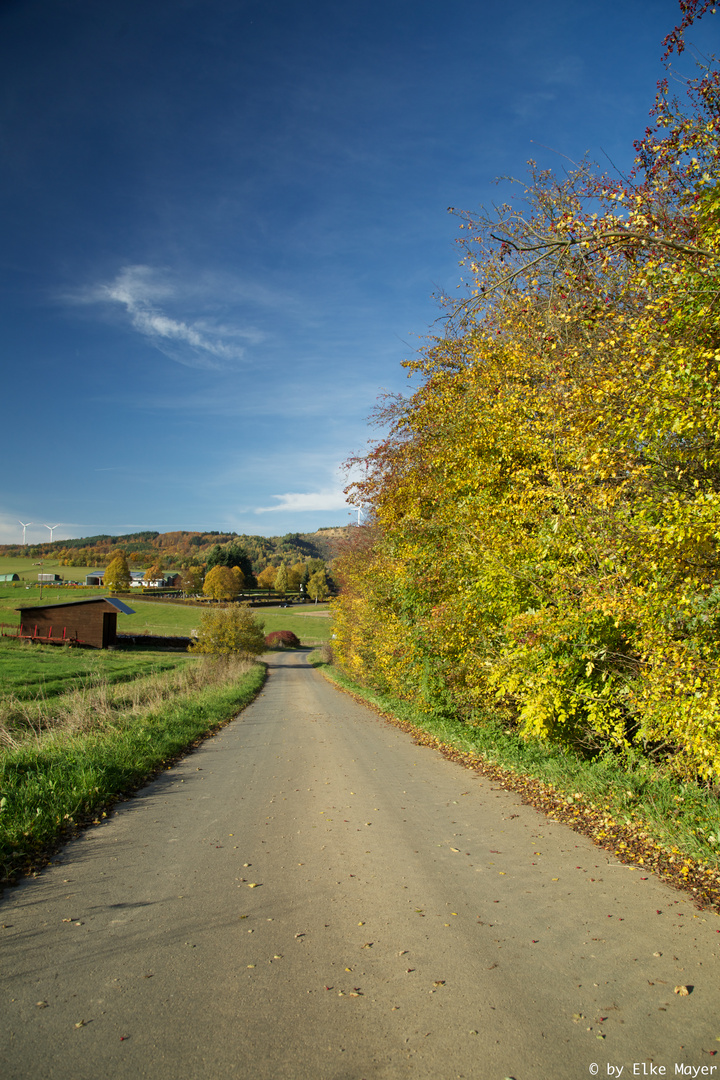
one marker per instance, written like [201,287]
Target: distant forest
[177,550]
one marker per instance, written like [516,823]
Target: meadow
[40,672]
[29,568]
[156,617]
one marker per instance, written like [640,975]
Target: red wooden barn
[88,622]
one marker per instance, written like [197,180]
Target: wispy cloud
[325,499]
[330,496]
[148,297]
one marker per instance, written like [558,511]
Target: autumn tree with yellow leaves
[545,525]
[222,583]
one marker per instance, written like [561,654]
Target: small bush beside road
[282,639]
[230,630]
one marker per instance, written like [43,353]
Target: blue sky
[224,223]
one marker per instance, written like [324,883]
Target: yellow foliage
[546,505]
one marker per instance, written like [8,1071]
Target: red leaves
[282,639]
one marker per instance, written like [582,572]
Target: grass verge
[59,779]
[628,806]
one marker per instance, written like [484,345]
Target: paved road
[408,919]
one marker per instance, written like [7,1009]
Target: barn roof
[117,604]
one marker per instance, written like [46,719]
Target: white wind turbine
[52,529]
[25,525]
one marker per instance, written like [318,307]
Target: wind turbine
[52,529]
[25,525]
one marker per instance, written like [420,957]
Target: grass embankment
[630,806]
[65,757]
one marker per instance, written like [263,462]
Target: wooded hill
[182,548]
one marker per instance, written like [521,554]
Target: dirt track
[407,919]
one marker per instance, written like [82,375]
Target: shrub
[230,630]
[282,639]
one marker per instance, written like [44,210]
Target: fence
[30,633]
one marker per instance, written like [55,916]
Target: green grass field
[154,617]
[29,671]
[28,569]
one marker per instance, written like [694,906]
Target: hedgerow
[545,508]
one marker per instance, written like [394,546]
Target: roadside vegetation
[88,729]
[537,580]
[633,808]
[544,534]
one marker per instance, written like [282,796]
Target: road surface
[311,895]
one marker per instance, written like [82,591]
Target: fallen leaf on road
[41,1004]
[439,982]
[253,884]
[80,1023]
[683,991]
